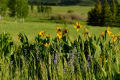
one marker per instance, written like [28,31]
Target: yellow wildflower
[118,73]
[42,33]
[58,29]
[102,33]
[59,35]
[19,38]
[119,34]
[114,38]
[65,31]
[77,26]
[86,30]
[108,29]
[109,33]
[46,44]
[48,35]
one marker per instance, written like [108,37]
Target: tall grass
[88,57]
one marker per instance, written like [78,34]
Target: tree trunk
[0,17]
[16,19]
[32,8]
[22,20]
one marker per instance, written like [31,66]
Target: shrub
[70,11]
[68,17]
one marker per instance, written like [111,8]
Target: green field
[34,24]
[63,9]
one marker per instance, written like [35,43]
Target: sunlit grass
[33,28]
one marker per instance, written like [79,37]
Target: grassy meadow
[34,23]
[31,29]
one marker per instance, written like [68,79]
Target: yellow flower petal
[118,73]
[42,33]
[86,30]
[46,44]
[108,28]
[59,35]
[102,33]
[48,35]
[109,33]
[77,26]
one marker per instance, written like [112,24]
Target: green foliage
[3,7]
[22,8]
[118,1]
[106,14]
[18,8]
[44,9]
[114,12]
[94,16]
[118,16]
[12,7]
[6,45]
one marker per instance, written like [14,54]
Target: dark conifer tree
[114,12]
[118,15]
[106,14]
[94,16]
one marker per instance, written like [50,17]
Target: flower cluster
[61,32]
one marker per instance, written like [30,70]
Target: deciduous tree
[3,7]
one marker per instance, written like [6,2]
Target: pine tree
[118,15]
[114,12]
[94,16]
[106,14]
[3,7]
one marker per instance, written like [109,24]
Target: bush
[68,17]
[70,11]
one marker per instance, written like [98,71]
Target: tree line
[107,14]
[58,2]
[65,2]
